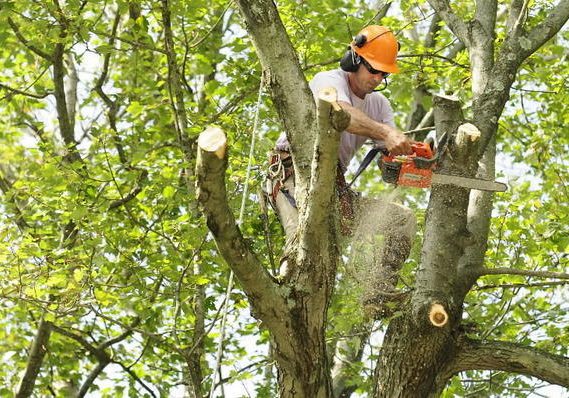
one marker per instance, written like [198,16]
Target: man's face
[364,81]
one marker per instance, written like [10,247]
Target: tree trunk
[37,353]
[418,345]
[411,359]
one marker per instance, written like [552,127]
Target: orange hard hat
[377,44]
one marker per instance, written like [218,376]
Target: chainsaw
[419,169]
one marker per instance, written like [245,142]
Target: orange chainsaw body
[414,170]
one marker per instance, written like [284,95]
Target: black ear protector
[351,61]
[360,40]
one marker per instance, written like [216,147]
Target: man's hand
[397,143]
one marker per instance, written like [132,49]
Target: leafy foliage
[111,248]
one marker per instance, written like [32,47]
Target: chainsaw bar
[471,183]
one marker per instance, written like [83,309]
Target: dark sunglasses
[372,70]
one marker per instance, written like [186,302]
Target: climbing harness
[280,170]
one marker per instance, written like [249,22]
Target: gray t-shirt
[375,105]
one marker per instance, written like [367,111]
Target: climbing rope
[218,359]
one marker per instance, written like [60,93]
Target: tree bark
[289,89]
[294,312]
[420,343]
[37,353]
[508,357]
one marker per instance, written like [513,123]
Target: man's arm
[361,124]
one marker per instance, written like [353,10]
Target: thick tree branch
[289,89]
[516,16]
[445,231]
[453,21]
[66,128]
[37,353]
[100,354]
[175,85]
[103,358]
[486,15]
[332,120]
[511,357]
[91,379]
[211,193]
[515,49]
[71,87]
[555,20]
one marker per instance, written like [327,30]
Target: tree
[453,249]
[111,282]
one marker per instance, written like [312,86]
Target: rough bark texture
[414,350]
[500,355]
[411,358]
[37,353]
[294,310]
[289,89]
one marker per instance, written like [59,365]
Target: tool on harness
[280,170]
[418,169]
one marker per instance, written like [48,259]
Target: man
[370,58]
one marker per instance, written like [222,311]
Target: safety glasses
[372,70]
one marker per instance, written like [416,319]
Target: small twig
[26,42]
[133,193]
[135,377]
[22,92]
[200,41]
[433,55]
[524,272]
[521,285]
[133,43]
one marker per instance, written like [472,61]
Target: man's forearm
[361,124]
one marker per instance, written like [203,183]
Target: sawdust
[380,243]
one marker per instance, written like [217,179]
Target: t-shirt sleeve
[337,80]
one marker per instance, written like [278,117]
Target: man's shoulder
[330,74]
[332,78]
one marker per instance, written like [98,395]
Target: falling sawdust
[382,232]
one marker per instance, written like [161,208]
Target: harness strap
[280,169]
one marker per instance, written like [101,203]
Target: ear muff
[350,62]
[360,40]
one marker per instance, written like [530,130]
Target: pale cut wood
[467,132]
[437,315]
[213,140]
[330,95]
